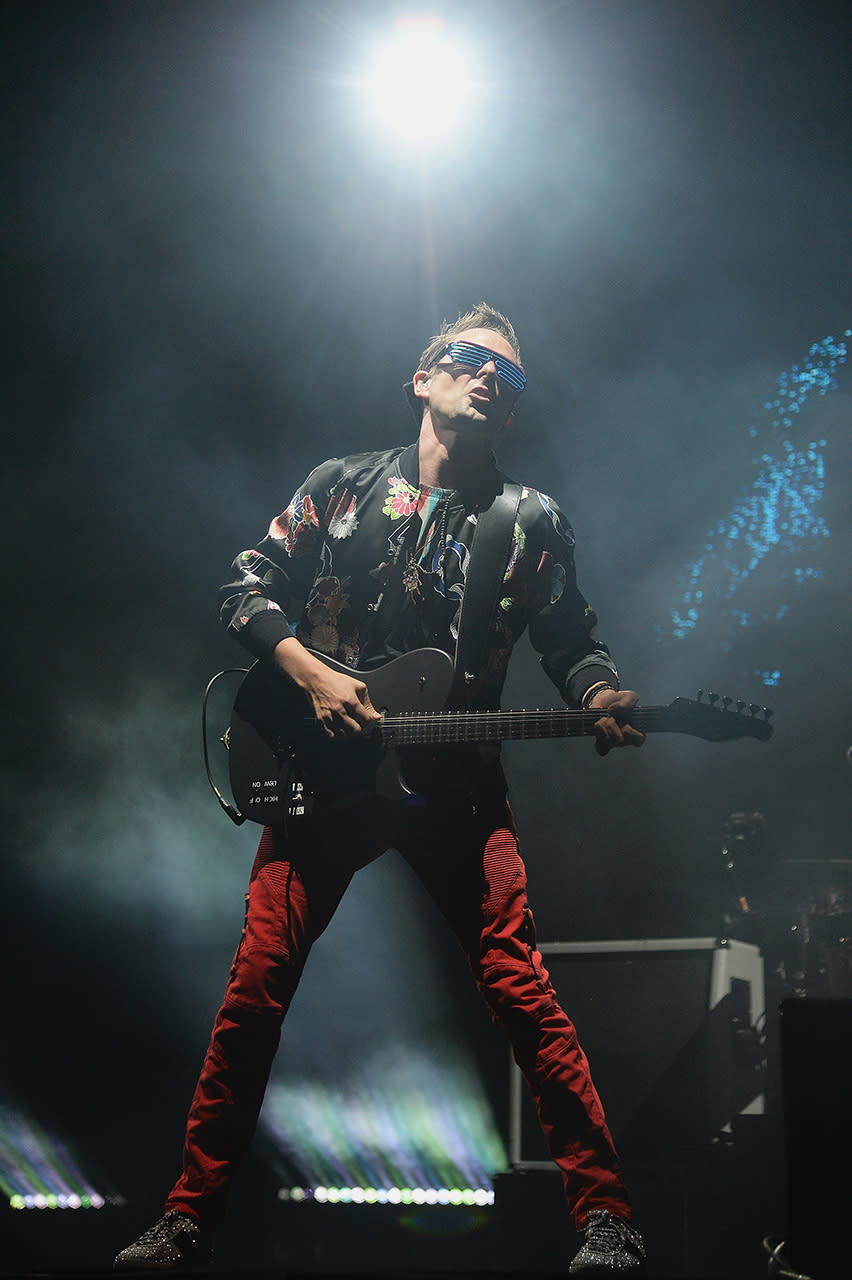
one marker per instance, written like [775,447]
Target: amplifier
[816,1053]
[670,1028]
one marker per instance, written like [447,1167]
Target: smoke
[219,282]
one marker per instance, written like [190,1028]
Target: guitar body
[281,763]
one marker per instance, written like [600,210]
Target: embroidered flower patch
[341,517]
[402,499]
[343,526]
[293,523]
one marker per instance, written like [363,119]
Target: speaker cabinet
[668,1027]
[816,1053]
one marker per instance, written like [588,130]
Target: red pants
[471,866]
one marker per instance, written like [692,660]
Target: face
[466,399]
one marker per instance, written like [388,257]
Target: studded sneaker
[611,1244]
[175,1243]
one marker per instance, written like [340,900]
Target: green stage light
[443,1196]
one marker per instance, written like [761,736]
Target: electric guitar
[281,761]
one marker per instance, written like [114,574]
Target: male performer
[377,547]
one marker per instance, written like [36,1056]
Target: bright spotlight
[419,82]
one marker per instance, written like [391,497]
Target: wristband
[595,689]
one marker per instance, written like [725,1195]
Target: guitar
[281,761]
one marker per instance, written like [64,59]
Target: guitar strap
[489,555]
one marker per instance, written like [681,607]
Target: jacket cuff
[264,631]
[577,685]
[573,679]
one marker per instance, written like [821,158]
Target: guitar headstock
[719,719]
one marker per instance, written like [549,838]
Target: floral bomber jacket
[379,564]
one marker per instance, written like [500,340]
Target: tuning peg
[753,708]
[768,713]
[726,702]
[712,698]
[699,695]
[740,705]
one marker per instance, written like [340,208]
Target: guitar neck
[445,727]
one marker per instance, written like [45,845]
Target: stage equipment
[819,944]
[672,1028]
[816,1049]
[746,864]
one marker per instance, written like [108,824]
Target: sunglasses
[474,356]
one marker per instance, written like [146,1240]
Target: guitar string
[431,727]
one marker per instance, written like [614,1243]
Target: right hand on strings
[341,703]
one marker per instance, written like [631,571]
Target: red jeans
[470,864]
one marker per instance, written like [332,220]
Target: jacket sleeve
[562,626]
[268,577]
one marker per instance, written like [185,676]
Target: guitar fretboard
[440,728]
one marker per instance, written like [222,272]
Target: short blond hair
[482,316]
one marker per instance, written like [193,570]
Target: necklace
[412,578]
[413,573]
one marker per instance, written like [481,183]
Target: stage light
[444,1196]
[429,1126]
[779,514]
[37,1170]
[418,84]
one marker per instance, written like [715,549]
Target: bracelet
[593,691]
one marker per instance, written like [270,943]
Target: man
[378,548]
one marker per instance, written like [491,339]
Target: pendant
[411,578]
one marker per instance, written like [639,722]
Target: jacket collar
[489,482]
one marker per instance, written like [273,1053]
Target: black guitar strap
[489,555]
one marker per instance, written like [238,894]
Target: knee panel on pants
[269,960]
[524,1006]
[262,979]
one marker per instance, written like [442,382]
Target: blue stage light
[778,515]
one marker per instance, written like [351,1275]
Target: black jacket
[379,563]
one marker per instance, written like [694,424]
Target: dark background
[217,275]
